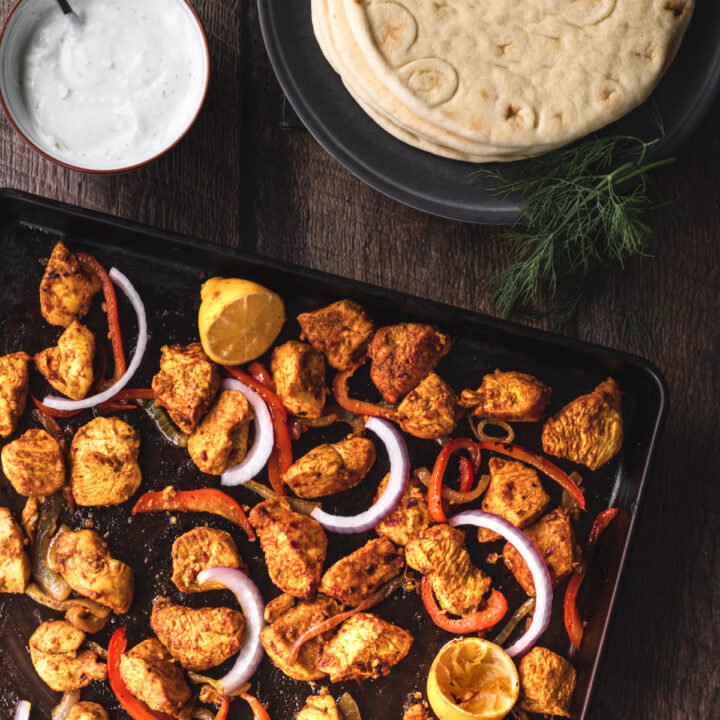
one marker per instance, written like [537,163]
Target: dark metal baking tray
[167,271]
[440,186]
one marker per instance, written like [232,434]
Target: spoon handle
[65,6]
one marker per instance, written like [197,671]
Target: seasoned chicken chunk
[220,440]
[294,545]
[104,466]
[320,707]
[409,518]
[403,355]
[278,639]
[278,606]
[66,290]
[14,562]
[547,683]
[430,410]
[418,711]
[554,538]
[199,639]
[55,652]
[331,468]
[83,559]
[440,554]
[364,647]
[199,549]
[14,383]
[341,331]
[588,430]
[299,374]
[359,574]
[87,711]
[186,384]
[68,366]
[515,493]
[152,676]
[34,464]
[508,396]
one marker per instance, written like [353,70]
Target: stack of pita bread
[498,80]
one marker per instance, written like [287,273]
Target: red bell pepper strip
[259,712]
[466,475]
[493,613]
[209,500]
[435,490]
[275,473]
[573,621]
[50,426]
[52,412]
[118,402]
[222,713]
[359,407]
[134,707]
[92,266]
[262,374]
[540,463]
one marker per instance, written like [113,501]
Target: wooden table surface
[238,179]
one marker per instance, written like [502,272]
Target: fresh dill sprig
[577,216]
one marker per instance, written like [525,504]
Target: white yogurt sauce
[117,90]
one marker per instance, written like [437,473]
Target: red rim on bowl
[126,168]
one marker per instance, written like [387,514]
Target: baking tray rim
[9,195]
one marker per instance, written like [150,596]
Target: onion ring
[58,403]
[538,569]
[253,608]
[394,490]
[451,495]
[263,442]
[60,711]
[482,436]
[22,711]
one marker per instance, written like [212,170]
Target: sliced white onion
[541,577]
[259,452]
[253,608]
[58,403]
[22,711]
[396,485]
[61,711]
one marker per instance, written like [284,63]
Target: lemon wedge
[472,679]
[238,319]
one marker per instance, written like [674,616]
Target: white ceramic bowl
[14,37]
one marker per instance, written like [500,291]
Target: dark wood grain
[238,179]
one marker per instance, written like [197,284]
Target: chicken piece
[83,559]
[359,574]
[554,538]
[278,606]
[440,554]
[104,466]
[418,711]
[55,653]
[278,639]
[341,331]
[588,430]
[87,711]
[547,683]
[364,647]
[14,562]
[34,464]
[329,469]
[294,545]
[68,366]
[508,396]
[320,707]
[430,410]
[220,441]
[403,355]
[514,493]
[14,383]
[299,374]
[152,676]
[66,290]
[186,384]
[199,639]
[409,518]
[199,549]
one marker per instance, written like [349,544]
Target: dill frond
[578,215]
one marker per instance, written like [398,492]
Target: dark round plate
[434,184]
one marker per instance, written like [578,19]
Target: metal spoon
[70,13]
